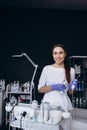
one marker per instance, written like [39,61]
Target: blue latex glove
[59,87]
[73,85]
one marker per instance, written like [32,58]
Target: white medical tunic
[52,75]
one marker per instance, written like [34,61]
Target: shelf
[25,93]
[78,57]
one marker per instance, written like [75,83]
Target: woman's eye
[55,53]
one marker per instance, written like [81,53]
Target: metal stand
[34,65]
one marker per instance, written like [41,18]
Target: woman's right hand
[59,87]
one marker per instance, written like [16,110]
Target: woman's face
[59,55]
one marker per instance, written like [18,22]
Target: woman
[54,82]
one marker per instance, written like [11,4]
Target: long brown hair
[67,68]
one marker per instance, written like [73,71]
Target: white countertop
[33,126]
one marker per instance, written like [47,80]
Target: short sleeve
[43,77]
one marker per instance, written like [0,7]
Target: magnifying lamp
[34,65]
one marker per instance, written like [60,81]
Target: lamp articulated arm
[35,66]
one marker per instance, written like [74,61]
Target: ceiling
[52,4]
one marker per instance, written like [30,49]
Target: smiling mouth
[58,59]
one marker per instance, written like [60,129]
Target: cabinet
[79,63]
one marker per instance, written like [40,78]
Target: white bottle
[3,85]
[41,114]
[28,86]
[46,111]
